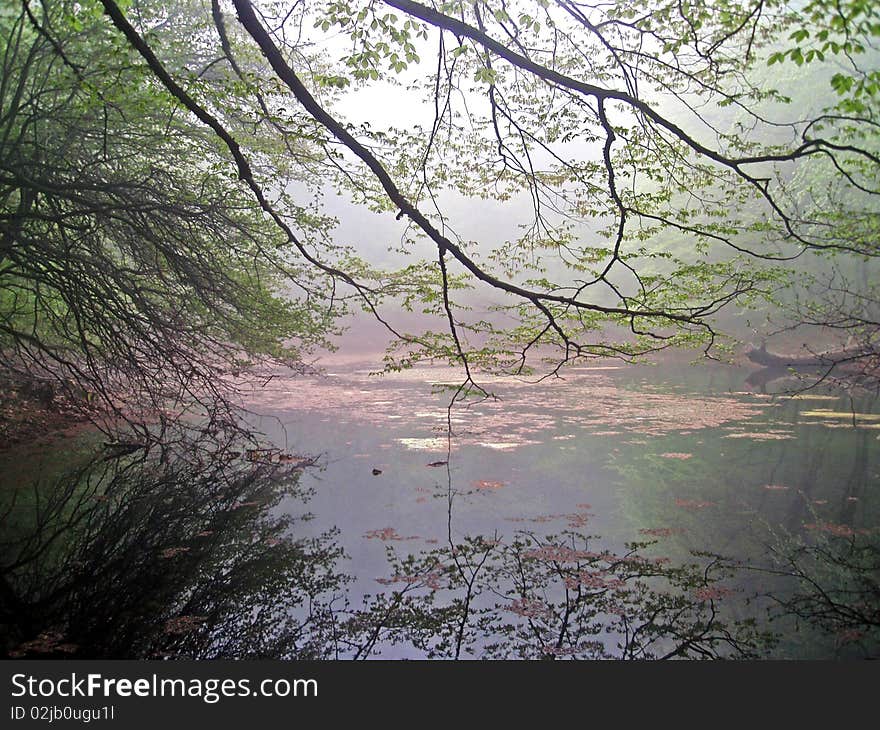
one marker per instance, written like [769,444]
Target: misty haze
[528,330]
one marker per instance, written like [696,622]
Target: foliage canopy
[168,168]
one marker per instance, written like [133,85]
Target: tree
[134,270]
[666,178]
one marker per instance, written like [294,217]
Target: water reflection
[200,556]
[723,524]
[557,596]
[158,556]
[826,599]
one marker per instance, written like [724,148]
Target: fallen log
[829,358]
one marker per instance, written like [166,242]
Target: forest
[558,235]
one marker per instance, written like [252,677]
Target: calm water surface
[621,511]
[691,457]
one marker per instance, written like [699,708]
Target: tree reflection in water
[193,555]
[552,597]
[830,588]
[186,556]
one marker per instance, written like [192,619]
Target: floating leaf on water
[294,460]
[505,445]
[488,484]
[835,529]
[761,436]
[823,413]
[387,533]
[578,519]
[423,444]
[848,425]
[173,552]
[710,593]
[243,505]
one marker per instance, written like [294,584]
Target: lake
[618,512]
